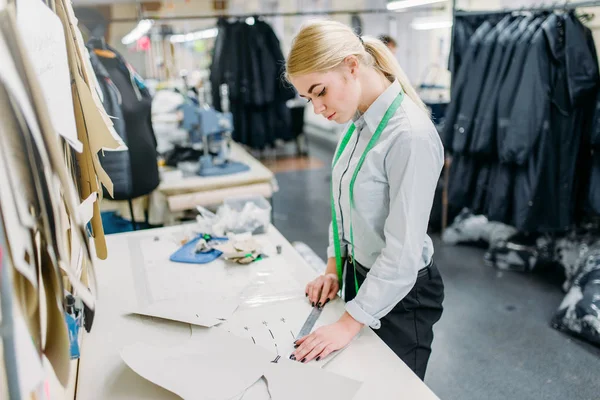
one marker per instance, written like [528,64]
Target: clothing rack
[458,13]
[541,8]
[267,15]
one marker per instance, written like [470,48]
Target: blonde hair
[323,45]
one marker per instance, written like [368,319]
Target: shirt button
[530,203]
[461,130]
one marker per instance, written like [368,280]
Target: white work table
[185,192]
[179,191]
[102,373]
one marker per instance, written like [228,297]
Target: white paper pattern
[43,36]
[276,327]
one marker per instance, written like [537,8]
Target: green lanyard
[336,237]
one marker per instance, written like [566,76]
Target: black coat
[546,123]
[483,140]
[459,84]
[469,99]
[248,58]
[532,128]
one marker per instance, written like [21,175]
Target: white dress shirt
[393,195]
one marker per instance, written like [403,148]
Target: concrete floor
[494,341]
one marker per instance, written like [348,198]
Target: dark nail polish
[306,294]
[296,346]
[304,359]
[313,304]
[319,305]
[318,358]
[326,301]
[293,357]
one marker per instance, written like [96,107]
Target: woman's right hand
[323,289]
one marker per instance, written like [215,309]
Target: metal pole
[266,15]
[564,6]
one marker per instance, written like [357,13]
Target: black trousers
[408,328]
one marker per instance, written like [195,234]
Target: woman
[385,171]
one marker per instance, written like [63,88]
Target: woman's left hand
[326,339]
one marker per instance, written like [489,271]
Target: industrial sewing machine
[212,130]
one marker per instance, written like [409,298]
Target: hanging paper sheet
[43,36]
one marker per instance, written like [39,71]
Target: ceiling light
[403,4]
[422,24]
[198,35]
[136,33]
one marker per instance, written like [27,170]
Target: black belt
[363,271]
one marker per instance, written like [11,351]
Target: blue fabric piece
[187,253]
[230,167]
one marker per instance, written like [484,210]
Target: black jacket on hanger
[459,84]
[546,123]
[469,100]
[483,134]
[531,126]
[249,60]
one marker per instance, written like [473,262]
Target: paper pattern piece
[291,380]
[200,309]
[54,187]
[94,128]
[191,293]
[56,346]
[223,367]
[29,364]
[275,327]
[86,208]
[44,39]
[19,240]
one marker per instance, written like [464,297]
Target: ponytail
[384,61]
[323,45]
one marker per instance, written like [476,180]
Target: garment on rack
[249,60]
[538,76]
[464,28]
[483,136]
[136,127]
[469,100]
[459,84]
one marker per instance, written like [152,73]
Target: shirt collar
[376,111]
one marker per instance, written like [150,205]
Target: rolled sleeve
[413,165]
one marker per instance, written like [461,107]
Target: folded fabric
[189,253]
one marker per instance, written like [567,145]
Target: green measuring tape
[336,237]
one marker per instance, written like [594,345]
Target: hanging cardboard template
[54,184]
[44,39]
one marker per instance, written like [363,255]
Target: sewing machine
[212,129]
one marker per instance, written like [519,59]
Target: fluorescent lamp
[198,35]
[422,24]
[403,4]
[140,30]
